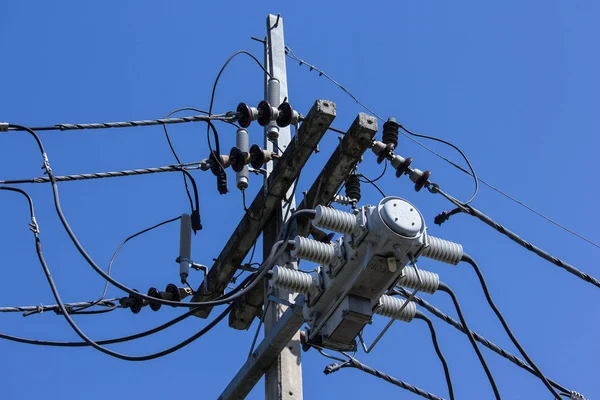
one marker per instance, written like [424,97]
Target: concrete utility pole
[283,379]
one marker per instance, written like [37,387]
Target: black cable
[275,252]
[468,259]
[367,180]
[492,346]
[421,316]
[434,188]
[112,259]
[354,363]
[443,287]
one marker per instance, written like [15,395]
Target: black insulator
[244,114]
[423,179]
[403,167]
[265,113]
[390,132]
[216,162]
[257,156]
[222,182]
[383,154]
[237,158]
[153,292]
[353,187]
[173,290]
[286,115]
[136,304]
[196,221]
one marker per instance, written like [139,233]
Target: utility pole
[283,379]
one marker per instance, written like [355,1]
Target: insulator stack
[390,307]
[153,292]
[401,165]
[390,133]
[246,114]
[241,142]
[334,220]
[258,156]
[287,115]
[269,118]
[420,178]
[431,280]
[296,281]
[134,303]
[443,250]
[238,159]
[353,187]
[312,250]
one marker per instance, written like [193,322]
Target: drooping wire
[468,259]
[495,348]
[114,256]
[367,180]
[277,249]
[291,54]
[421,316]
[467,209]
[488,373]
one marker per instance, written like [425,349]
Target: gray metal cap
[401,216]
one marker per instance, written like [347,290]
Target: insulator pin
[312,250]
[443,250]
[334,220]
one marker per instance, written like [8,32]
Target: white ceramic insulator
[241,142]
[430,280]
[296,281]
[312,250]
[390,307]
[443,250]
[334,220]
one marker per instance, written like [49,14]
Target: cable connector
[445,216]
[34,226]
[196,222]
[331,368]
[4,126]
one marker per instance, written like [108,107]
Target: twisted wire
[516,238]
[131,124]
[354,363]
[490,345]
[54,307]
[100,175]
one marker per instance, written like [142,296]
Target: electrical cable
[202,165]
[291,54]
[112,259]
[421,316]
[468,259]
[30,310]
[130,124]
[354,363]
[495,348]
[467,209]
[277,249]
[367,180]
[488,373]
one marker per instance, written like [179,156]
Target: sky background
[514,84]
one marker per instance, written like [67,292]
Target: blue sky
[514,84]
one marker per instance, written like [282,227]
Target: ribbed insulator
[292,280]
[390,132]
[431,280]
[443,250]
[313,250]
[390,307]
[334,220]
[343,200]
[353,187]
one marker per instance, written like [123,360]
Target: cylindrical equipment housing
[185,246]
[443,250]
[241,142]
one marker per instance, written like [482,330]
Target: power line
[129,124]
[291,54]
[490,345]
[28,310]
[436,345]
[434,188]
[466,258]
[202,165]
